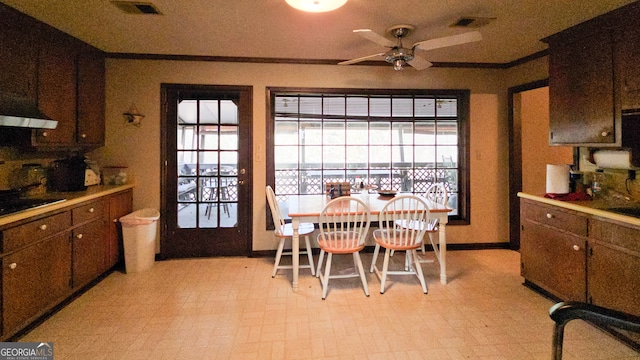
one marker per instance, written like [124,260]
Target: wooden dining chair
[284,232]
[402,226]
[437,193]
[344,225]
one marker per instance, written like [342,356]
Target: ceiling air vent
[472,22]
[132,7]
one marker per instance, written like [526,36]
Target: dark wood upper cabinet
[56,73]
[18,59]
[582,106]
[57,88]
[91,97]
[627,51]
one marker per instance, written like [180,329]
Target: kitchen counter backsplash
[10,176]
[12,160]
[617,188]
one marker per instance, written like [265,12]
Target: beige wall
[139,81]
[536,152]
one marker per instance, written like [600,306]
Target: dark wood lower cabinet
[119,205]
[554,261]
[33,279]
[576,256]
[89,252]
[614,266]
[47,260]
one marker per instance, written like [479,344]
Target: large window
[400,140]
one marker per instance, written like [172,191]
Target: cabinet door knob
[91,210]
[13,266]
[576,247]
[115,220]
[45,133]
[83,136]
[549,216]
[43,227]
[604,133]
[79,236]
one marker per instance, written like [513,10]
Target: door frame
[515,159]
[246,128]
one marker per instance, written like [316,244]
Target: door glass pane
[209,112]
[209,137]
[228,137]
[228,112]
[187,137]
[187,215]
[187,112]
[207,182]
[187,162]
[209,218]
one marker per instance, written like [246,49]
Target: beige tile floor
[231,308]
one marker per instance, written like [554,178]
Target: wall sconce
[132,116]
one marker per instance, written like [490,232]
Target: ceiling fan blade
[441,42]
[353,61]
[375,37]
[419,63]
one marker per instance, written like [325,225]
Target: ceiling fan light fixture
[316,5]
[399,64]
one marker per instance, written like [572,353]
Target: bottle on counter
[598,184]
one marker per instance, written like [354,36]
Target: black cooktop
[13,205]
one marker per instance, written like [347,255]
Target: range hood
[26,122]
[25,116]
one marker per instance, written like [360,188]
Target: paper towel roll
[613,159]
[557,179]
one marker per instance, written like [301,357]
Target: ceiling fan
[400,56]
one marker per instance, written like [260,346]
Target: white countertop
[596,208]
[72,198]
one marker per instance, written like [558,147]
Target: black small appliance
[68,174]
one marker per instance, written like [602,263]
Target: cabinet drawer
[552,216]
[20,236]
[88,212]
[624,236]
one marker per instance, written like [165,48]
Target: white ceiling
[272,29]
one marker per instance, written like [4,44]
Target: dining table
[307,208]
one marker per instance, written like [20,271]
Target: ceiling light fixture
[316,5]
[399,64]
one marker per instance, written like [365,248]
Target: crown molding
[260,60]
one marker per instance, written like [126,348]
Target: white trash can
[139,236]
